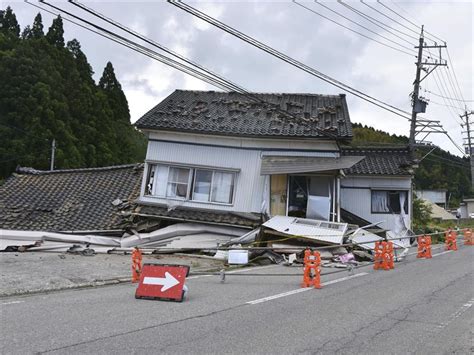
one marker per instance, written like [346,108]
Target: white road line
[12,302]
[457,314]
[444,252]
[234,271]
[289,293]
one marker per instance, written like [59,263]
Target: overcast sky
[357,61]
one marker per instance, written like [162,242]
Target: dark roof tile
[380,161]
[68,200]
[211,112]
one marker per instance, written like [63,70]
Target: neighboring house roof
[237,219]
[69,200]
[221,113]
[380,161]
[438,212]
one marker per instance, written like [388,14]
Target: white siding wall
[356,197]
[250,185]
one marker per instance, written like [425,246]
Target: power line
[388,17]
[459,91]
[374,21]
[357,32]
[289,60]
[455,76]
[417,26]
[438,103]
[184,68]
[236,33]
[451,98]
[452,91]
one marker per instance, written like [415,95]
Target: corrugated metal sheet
[323,231]
[293,165]
[249,184]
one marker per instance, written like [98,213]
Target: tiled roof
[234,114]
[249,220]
[380,161]
[68,200]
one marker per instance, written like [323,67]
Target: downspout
[334,198]
[338,181]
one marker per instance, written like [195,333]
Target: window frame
[389,191]
[191,182]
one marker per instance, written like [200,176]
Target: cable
[455,76]
[451,98]
[440,104]
[236,33]
[375,21]
[403,10]
[359,33]
[221,83]
[452,91]
[388,17]
[290,60]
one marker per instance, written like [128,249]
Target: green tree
[48,92]
[8,22]
[55,34]
[37,28]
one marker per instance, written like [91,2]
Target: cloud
[363,64]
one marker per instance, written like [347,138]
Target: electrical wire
[458,87]
[374,21]
[417,26]
[452,90]
[451,98]
[221,83]
[236,33]
[388,17]
[357,32]
[197,13]
[455,76]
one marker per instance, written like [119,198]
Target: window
[203,185]
[384,201]
[178,181]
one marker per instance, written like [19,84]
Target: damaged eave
[177,219]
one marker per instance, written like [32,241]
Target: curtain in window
[202,185]
[380,201]
[222,187]
[177,182]
[160,180]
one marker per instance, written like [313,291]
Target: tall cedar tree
[8,23]
[55,34]
[48,92]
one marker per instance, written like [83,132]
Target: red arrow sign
[164,282]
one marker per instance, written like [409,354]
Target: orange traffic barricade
[468,237]
[383,255]
[424,247]
[450,240]
[312,269]
[136,264]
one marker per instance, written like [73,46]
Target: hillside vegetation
[47,92]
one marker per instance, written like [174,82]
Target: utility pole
[469,144]
[416,92]
[53,151]
[419,104]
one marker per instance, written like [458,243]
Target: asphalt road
[422,307]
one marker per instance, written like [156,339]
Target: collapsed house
[217,152]
[222,169]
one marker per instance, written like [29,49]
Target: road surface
[422,307]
